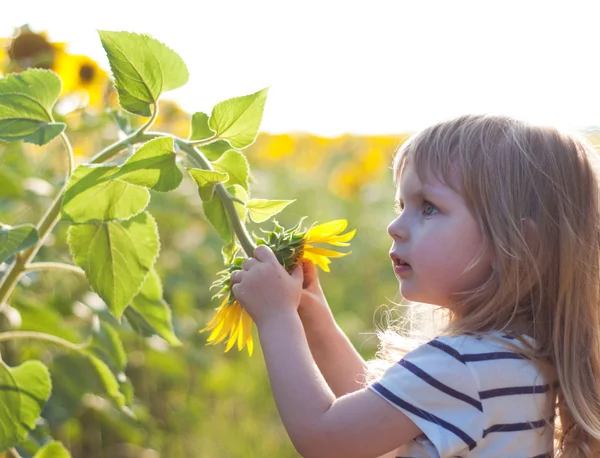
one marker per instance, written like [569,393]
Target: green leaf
[199,128]
[53,449]
[11,184]
[237,120]
[24,391]
[92,195]
[107,345]
[214,151]
[116,257]
[239,192]
[152,166]
[229,251]
[149,310]
[143,68]
[26,102]
[16,238]
[236,166]
[262,209]
[206,181]
[217,216]
[108,379]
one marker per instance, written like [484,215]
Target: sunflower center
[31,50]
[86,73]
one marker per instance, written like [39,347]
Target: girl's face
[435,238]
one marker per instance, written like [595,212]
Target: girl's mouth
[401,267]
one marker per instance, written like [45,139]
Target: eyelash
[399,207]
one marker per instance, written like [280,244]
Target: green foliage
[262,210]
[23,392]
[112,199]
[143,68]
[152,166]
[116,257]
[237,120]
[124,383]
[26,102]
[53,450]
[15,239]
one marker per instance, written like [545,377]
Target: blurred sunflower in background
[84,82]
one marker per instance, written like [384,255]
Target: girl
[499,225]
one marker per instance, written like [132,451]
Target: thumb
[298,274]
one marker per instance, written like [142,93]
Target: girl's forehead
[427,179]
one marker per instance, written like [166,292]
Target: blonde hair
[534,191]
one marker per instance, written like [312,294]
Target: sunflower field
[119,211]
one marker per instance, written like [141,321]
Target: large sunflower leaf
[206,181]
[116,257]
[217,216]
[262,209]
[236,166]
[26,102]
[92,195]
[150,312]
[24,391]
[237,120]
[108,379]
[143,68]
[199,127]
[152,166]
[16,238]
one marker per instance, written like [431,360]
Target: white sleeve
[438,392]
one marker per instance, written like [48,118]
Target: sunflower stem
[36,266]
[31,335]
[150,121]
[226,198]
[71,159]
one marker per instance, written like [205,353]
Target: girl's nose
[397,229]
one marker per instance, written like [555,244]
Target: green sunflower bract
[231,321]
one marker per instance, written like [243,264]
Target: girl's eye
[429,209]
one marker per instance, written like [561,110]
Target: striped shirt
[471,397]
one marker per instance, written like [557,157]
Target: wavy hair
[534,191]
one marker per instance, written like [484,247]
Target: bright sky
[364,67]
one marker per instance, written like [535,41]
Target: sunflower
[81,76]
[290,247]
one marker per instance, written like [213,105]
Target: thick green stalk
[30,335]
[237,224]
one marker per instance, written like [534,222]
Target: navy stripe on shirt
[425,415]
[474,357]
[439,385]
[513,390]
[446,348]
[514,427]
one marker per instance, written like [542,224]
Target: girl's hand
[264,288]
[314,310]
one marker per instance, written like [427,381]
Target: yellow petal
[319,260]
[235,319]
[326,230]
[324,252]
[250,345]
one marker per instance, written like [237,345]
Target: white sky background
[368,67]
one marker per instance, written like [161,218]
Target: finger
[264,254]
[248,263]
[309,270]
[236,276]
[298,274]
